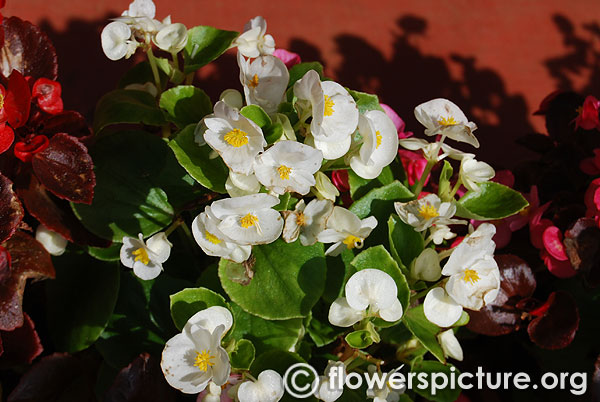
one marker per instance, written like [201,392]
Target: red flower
[7,136]
[588,114]
[414,165]
[24,150]
[48,95]
[591,166]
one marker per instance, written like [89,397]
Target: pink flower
[537,226]
[414,165]
[398,122]
[560,269]
[591,166]
[592,199]
[552,239]
[521,219]
[289,58]
[588,114]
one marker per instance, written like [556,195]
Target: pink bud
[289,58]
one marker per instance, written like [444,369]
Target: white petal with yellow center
[345,230]
[264,80]
[213,242]
[441,116]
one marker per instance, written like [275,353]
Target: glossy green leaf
[242,356]
[185,104]
[359,186]
[492,201]
[444,183]
[380,199]
[111,253]
[359,339]
[424,331]
[257,115]
[429,367]
[405,243]
[127,106]
[365,102]
[186,303]
[195,159]
[288,280]
[297,71]
[204,45]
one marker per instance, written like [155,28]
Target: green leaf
[288,280]
[320,330]
[492,201]
[127,106]
[185,104]
[297,71]
[339,270]
[80,301]
[204,45]
[405,243]
[365,102]
[463,320]
[195,159]
[424,331]
[380,199]
[186,303]
[127,198]
[359,186]
[378,258]
[273,132]
[444,185]
[242,356]
[429,367]
[359,339]
[257,115]
[266,334]
[141,73]
[112,253]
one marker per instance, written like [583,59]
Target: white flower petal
[392,313]
[233,98]
[177,366]
[371,287]
[427,266]
[115,37]
[342,315]
[440,308]
[160,246]
[53,242]
[210,318]
[171,38]
[450,345]
[147,272]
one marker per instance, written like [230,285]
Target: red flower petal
[7,136]
[553,243]
[25,150]
[340,180]
[48,95]
[17,101]
[560,269]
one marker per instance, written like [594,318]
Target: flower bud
[53,242]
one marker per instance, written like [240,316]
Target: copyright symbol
[298,382]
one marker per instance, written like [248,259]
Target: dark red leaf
[29,260]
[66,169]
[21,345]
[58,377]
[56,214]
[502,316]
[7,136]
[582,243]
[24,150]
[16,101]
[28,50]
[11,211]
[141,381]
[48,95]
[556,328]
[68,122]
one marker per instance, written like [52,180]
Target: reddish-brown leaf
[21,345]
[66,169]
[28,50]
[29,260]
[556,328]
[141,381]
[68,122]
[582,243]
[11,211]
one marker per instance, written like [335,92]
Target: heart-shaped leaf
[185,104]
[186,303]
[21,345]
[127,106]
[204,45]
[556,328]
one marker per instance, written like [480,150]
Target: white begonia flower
[370,289]
[288,166]
[386,393]
[141,8]
[238,184]
[334,114]
[328,390]
[171,38]
[380,144]
[440,308]
[265,80]
[117,41]
[146,258]
[438,233]
[440,116]
[473,172]
[237,139]
[324,188]
[427,266]
[450,345]
[268,387]
[431,150]
[213,242]
[54,243]
[250,219]
[213,394]
[253,42]
[427,211]
[307,221]
[345,230]
[233,98]
[193,358]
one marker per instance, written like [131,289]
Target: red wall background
[495,58]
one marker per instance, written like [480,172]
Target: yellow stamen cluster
[353,242]
[253,83]
[447,121]
[236,138]
[284,172]
[428,211]
[471,276]
[248,220]
[1,101]
[328,106]
[141,255]
[378,138]
[212,238]
[300,219]
[203,360]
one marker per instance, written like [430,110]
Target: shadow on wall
[403,81]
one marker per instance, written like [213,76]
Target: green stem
[173,226]
[421,183]
[455,188]
[176,61]
[153,66]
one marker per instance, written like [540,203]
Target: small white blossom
[268,387]
[431,150]
[450,345]
[440,308]
[117,41]
[254,42]
[193,358]
[171,38]
[324,188]
[345,230]
[385,393]
[473,172]
[237,139]
[53,242]
[233,98]
[370,289]
[307,221]
[265,80]
[440,232]
[288,166]
[440,116]
[427,266]
[327,391]
[427,211]
[238,184]
[141,8]
[146,258]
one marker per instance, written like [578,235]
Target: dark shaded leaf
[68,122]
[11,211]
[298,71]
[66,169]
[127,106]
[556,328]
[582,243]
[27,50]
[21,345]
[29,260]
[561,113]
[141,381]
[539,143]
